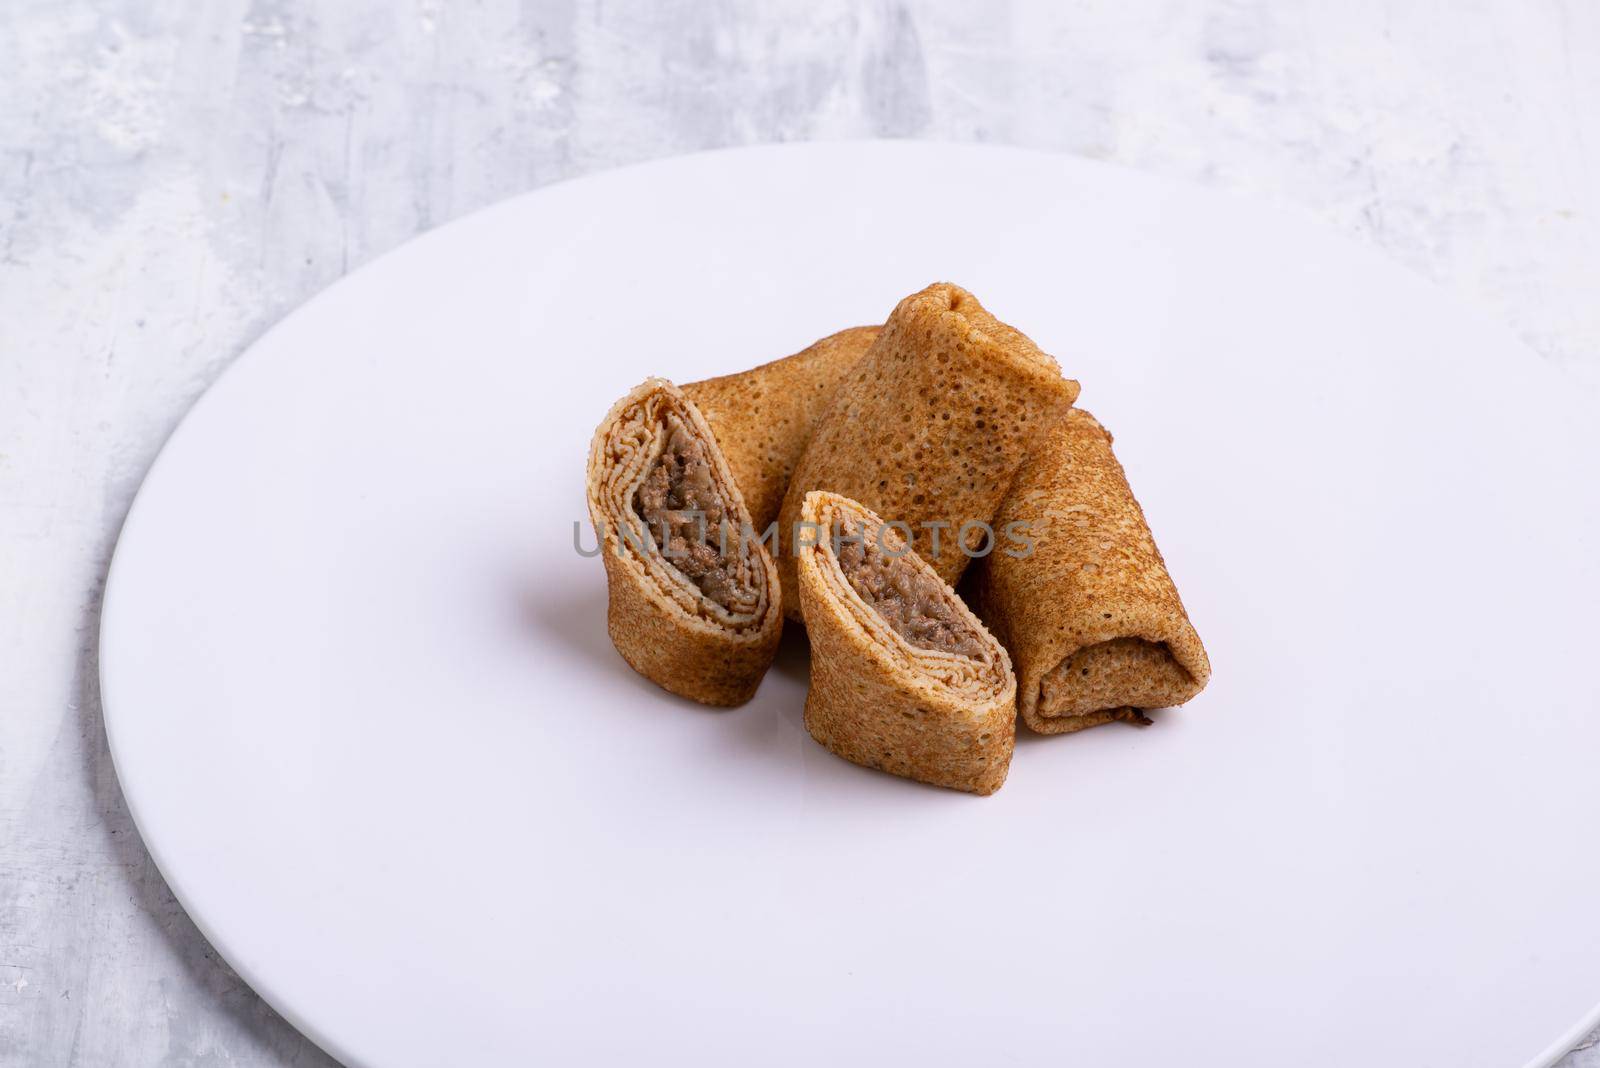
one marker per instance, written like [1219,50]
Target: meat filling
[912,601]
[686,514]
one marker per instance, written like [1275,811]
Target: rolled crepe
[693,599]
[763,417]
[1090,616]
[930,428]
[904,677]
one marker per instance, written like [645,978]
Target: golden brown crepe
[1091,617]
[930,427]
[763,417]
[904,677]
[693,597]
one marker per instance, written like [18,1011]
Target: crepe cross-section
[1090,615]
[692,595]
[763,417]
[930,427]
[904,678]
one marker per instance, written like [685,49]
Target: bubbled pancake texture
[763,417]
[663,627]
[1095,576]
[879,701]
[931,425]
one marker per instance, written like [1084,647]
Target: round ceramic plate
[365,712]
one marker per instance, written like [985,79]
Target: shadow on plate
[768,730]
[573,619]
[1028,737]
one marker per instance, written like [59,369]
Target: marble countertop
[175,178]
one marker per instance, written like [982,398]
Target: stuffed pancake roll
[930,428]
[904,678]
[1090,615]
[692,595]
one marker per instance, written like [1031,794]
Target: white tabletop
[173,183]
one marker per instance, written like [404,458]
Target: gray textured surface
[174,178]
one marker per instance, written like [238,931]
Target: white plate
[364,709]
